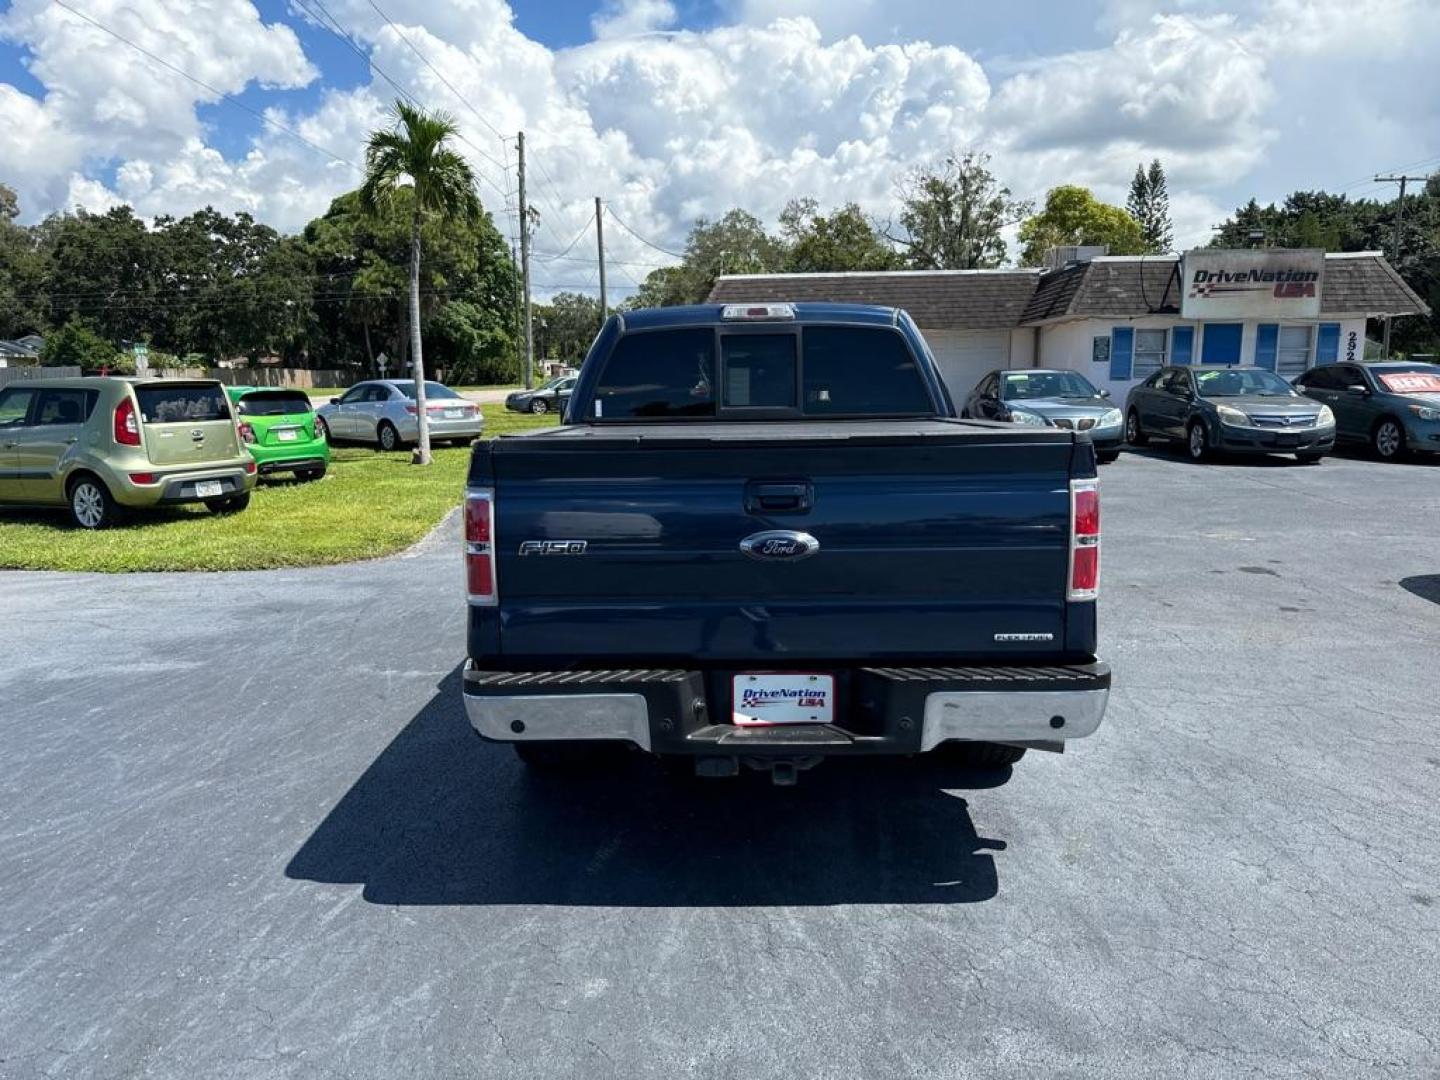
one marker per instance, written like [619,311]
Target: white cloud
[625,18]
[794,97]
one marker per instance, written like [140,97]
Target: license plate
[289,435]
[765,699]
[454,414]
[207,488]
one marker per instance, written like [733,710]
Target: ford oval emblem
[780,545]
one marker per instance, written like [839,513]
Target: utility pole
[529,365]
[519,314]
[600,245]
[1399,236]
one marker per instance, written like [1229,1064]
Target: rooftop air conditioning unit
[1070,254]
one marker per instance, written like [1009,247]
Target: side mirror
[1358,391]
[334,401]
[1104,393]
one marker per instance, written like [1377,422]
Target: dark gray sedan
[1050,397]
[1393,406]
[1242,410]
[552,397]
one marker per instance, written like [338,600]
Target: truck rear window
[852,371]
[181,404]
[842,371]
[662,373]
[273,403]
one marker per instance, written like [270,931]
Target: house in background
[1116,319]
[24,350]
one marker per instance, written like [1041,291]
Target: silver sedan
[384,412]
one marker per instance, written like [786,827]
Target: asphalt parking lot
[247,833]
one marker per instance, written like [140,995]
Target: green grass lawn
[369,504]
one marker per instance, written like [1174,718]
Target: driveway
[247,833]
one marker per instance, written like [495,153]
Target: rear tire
[558,757]
[91,505]
[387,437]
[1134,433]
[980,755]
[230,504]
[1108,458]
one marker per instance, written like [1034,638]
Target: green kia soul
[102,445]
[280,430]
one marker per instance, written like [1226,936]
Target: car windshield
[432,389]
[273,403]
[1242,382]
[1025,385]
[1420,379]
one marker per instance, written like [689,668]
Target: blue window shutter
[1182,344]
[1267,342]
[1122,352]
[1327,343]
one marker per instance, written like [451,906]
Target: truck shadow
[441,817]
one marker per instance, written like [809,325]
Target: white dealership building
[1116,319]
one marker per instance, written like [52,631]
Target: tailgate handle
[788,497]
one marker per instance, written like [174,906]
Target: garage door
[965,356]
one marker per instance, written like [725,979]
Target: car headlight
[1110,418]
[1327,418]
[1021,416]
[1232,416]
[1425,412]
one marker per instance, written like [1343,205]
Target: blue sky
[676,109]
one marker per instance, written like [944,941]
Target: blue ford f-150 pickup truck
[761,537]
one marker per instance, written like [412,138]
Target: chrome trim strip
[1010,716]
[547,717]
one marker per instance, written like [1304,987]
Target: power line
[201,83]
[568,247]
[648,243]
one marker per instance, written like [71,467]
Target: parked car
[1392,406]
[761,538]
[1063,399]
[280,430]
[104,445]
[548,398]
[383,412]
[1240,410]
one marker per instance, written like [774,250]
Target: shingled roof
[1123,287]
[935,299]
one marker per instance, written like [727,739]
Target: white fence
[9,375]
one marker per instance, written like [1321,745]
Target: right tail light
[1084,540]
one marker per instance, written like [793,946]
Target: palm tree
[441,183]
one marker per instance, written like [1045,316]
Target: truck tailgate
[934,536]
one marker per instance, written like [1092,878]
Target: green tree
[77,345]
[1149,205]
[441,184]
[104,269]
[571,322]
[845,240]
[953,214]
[22,273]
[1072,215]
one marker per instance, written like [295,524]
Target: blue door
[1220,343]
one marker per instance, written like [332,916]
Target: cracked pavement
[245,832]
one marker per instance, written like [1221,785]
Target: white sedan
[384,412]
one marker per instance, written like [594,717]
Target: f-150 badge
[553,547]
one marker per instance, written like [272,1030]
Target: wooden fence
[10,375]
[301,378]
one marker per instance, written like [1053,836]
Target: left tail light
[247,432]
[1084,540]
[480,546]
